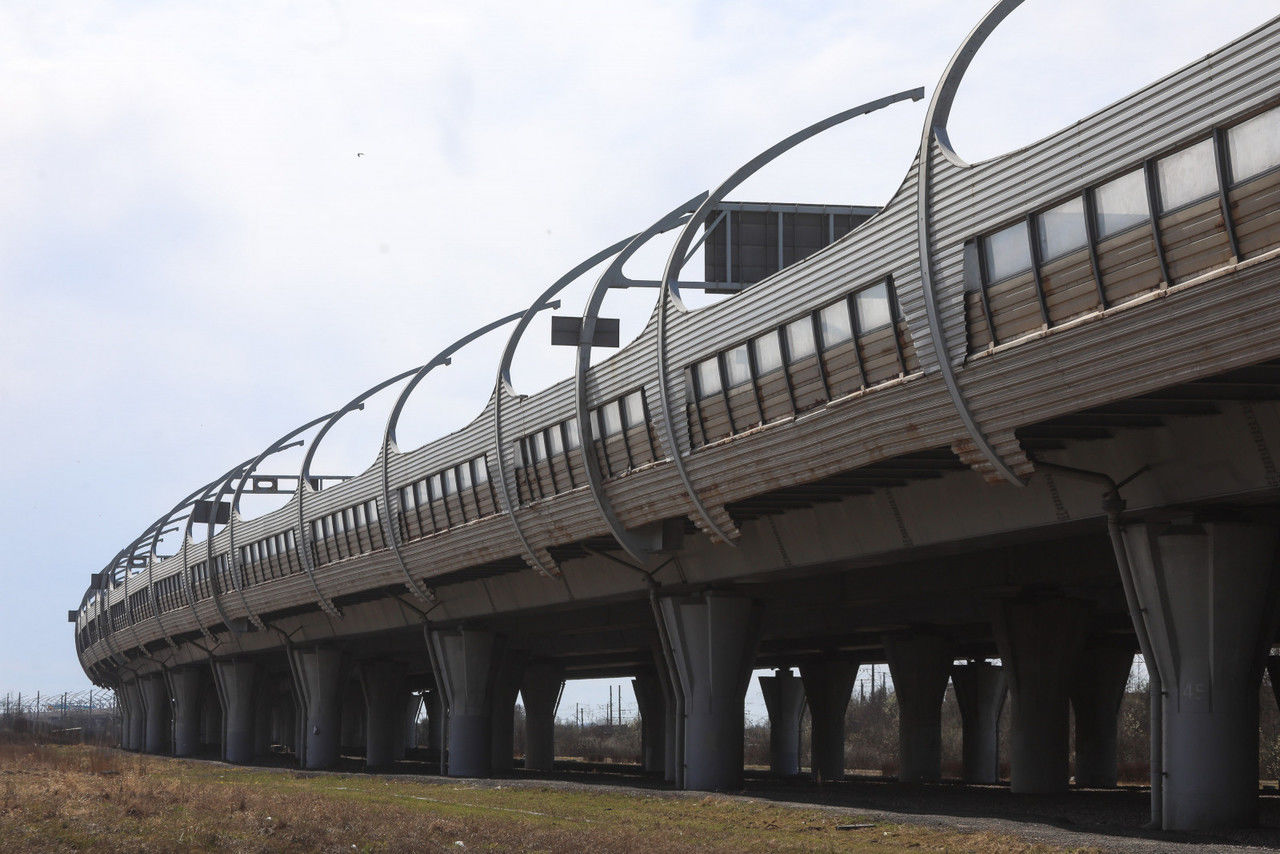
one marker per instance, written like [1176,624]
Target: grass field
[84,798]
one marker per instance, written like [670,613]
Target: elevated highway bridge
[1026,411]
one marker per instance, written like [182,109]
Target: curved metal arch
[283,443]
[669,291]
[186,541]
[304,473]
[612,276]
[935,127]
[444,357]
[503,384]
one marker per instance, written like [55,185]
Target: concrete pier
[133,733]
[1207,595]
[319,675]
[1097,690]
[541,692]
[920,665]
[784,699]
[158,713]
[463,659]
[828,684]
[382,683]
[235,679]
[184,686]
[713,638]
[980,692]
[652,705]
[1039,636]
[506,687]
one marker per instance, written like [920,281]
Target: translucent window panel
[1121,203]
[800,338]
[611,419]
[482,466]
[407,498]
[288,539]
[450,482]
[835,323]
[554,442]
[571,433]
[768,353]
[1007,252]
[873,308]
[423,491]
[1254,146]
[1187,175]
[326,526]
[437,486]
[337,523]
[1062,229]
[633,408]
[350,516]
[539,447]
[361,521]
[371,511]
[464,476]
[737,366]
[708,377]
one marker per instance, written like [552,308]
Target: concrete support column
[980,692]
[133,727]
[262,703]
[434,701]
[828,685]
[463,662]
[506,687]
[353,723]
[1039,638]
[283,720]
[543,681]
[319,674]
[235,679]
[384,715]
[653,721]
[920,665]
[210,716]
[713,638]
[185,684]
[159,713]
[784,699]
[1097,690]
[412,706]
[1207,594]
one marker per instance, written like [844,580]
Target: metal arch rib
[503,385]
[186,539]
[283,443]
[669,289]
[444,357]
[935,126]
[304,474]
[612,277]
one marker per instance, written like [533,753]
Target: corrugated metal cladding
[742,248]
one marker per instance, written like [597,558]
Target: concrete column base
[1097,690]
[714,638]
[159,714]
[1207,592]
[649,700]
[319,673]
[1039,637]
[384,691]
[980,692]
[543,681]
[463,660]
[784,699]
[235,680]
[828,685]
[184,685]
[920,665]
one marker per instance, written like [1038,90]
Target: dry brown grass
[80,798]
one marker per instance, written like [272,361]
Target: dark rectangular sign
[206,510]
[566,330]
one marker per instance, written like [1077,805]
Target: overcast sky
[194,259]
